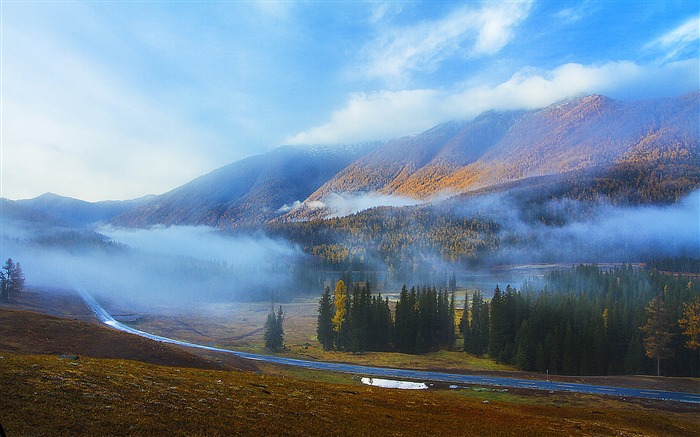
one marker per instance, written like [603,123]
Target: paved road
[403,374]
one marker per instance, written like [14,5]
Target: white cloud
[466,32]
[679,41]
[576,13]
[380,10]
[343,204]
[496,26]
[376,116]
[388,114]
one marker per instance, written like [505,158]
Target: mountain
[642,151]
[591,133]
[52,209]
[423,160]
[250,191]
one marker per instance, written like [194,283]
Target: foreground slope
[44,395]
[27,332]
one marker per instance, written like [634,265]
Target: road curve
[449,378]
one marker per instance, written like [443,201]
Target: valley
[400,218]
[588,233]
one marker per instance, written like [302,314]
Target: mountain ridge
[594,132]
[611,138]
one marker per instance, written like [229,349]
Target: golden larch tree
[340,298]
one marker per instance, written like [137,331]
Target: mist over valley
[285,223]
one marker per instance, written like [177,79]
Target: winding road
[449,378]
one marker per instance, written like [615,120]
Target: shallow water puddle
[390,383]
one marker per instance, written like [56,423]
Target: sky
[119,99]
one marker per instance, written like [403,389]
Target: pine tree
[324,326]
[569,356]
[11,280]
[402,322]
[464,327]
[657,333]
[525,347]
[4,287]
[450,325]
[497,326]
[479,326]
[274,332]
[690,322]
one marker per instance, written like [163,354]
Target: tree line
[589,321]
[357,321]
[582,321]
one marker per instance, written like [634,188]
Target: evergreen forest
[581,321]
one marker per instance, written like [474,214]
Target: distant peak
[596,98]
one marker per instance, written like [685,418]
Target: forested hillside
[543,219]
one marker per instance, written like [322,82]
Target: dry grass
[31,333]
[46,395]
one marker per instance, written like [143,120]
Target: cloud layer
[389,114]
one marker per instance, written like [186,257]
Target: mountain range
[592,138]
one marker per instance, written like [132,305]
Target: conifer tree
[450,325]
[569,361]
[324,326]
[657,332]
[274,332]
[465,326]
[690,323]
[403,321]
[525,347]
[497,326]
[11,280]
[479,326]
[453,282]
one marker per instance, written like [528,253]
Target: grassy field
[47,395]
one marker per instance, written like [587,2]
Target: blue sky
[118,99]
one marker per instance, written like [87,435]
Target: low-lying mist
[182,265]
[146,268]
[565,229]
